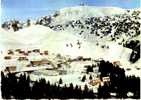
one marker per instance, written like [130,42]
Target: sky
[24,9]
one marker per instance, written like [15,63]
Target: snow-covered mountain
[79,12]
[68,14]
[89,22]
[78,31]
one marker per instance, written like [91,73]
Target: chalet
[137,68]
[28,65]
[10,52]
[10,69]
[41,53]
[106,79]
[41,62]
[79,58]
[98,81]
[33,63]
[86,59]
[36,50]
[17,50]
[128,69]
[95,82]
[22,59]
[45,62]
[7,57]
[116,63]
[21,52]
[46,52]
[29,51]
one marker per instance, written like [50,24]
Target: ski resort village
[82,52]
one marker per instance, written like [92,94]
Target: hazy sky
[23,9]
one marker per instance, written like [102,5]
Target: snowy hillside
[7,39]
[37,36]
[78,31]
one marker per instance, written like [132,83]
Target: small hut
[21,52]
[46,52]
[29,51]
[10,52]
[95,82]
[7,57]
[36,50]
[44,61]
[117,63]
[106,79]
[40,62]
[17,50]
[29,65]
[11,69]
[22,59]
[41,53]
[33,63]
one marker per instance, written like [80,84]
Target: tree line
[22,87]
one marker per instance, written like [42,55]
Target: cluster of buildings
[20,60]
